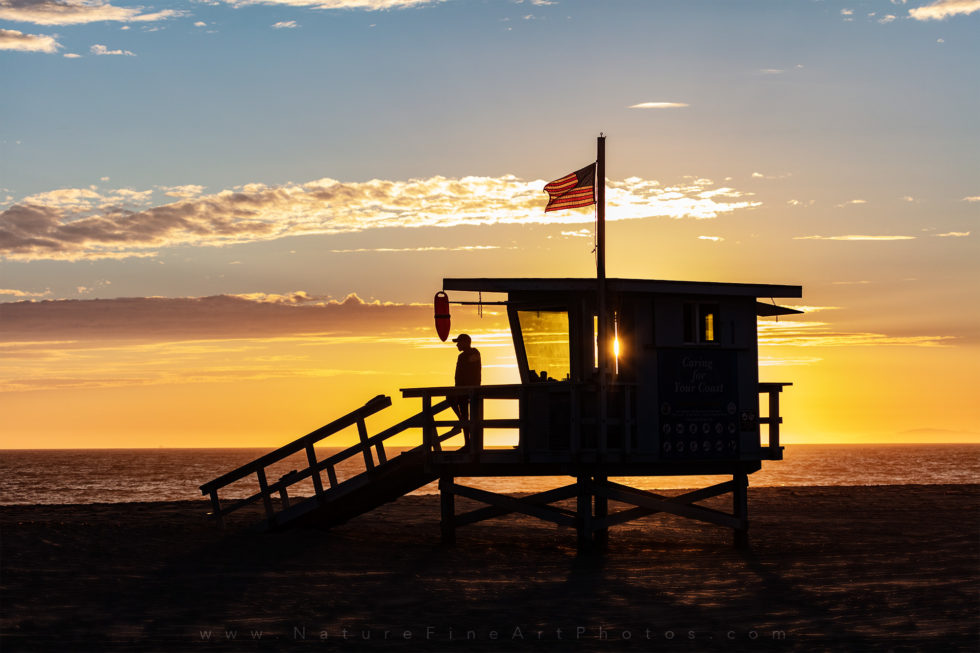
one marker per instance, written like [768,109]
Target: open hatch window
[545,335]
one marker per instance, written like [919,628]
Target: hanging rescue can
[442,315]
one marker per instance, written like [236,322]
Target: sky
[222,222]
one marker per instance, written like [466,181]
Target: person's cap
[464,337]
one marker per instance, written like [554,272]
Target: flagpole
[603,331]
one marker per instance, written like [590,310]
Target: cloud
[194,318]
[659,105]
[22,293]
[11,39]
[73,224]
[368,5]
[183,192]
[953,234]
[759,175]
[101,50]
[846,12]
[285,24]
[821,334]
[944,9]
[772,71]
[716,239]
[76,12]
[887,18]
[388,250]
[852,203]
[854,237]
[71,55]
[975,198]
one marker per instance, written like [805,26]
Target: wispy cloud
[10,292]
[183,192]
[11,39]
[369,5]
[715,239]
[77,12]
[821,334]
[88,223]
[151,341]
[974,198]
[386,250]
[285,24]
[101,50]
[944,9]
[659,105]
[953,234]
[854,237]
[854,202]
[195,318]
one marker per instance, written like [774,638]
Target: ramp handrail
[258,466]
[375,404]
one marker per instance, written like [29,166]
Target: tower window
[701,323]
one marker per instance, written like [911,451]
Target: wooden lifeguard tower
[682,397]
[618,378]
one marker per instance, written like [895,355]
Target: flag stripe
[572,191]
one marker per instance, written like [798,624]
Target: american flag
[572,191]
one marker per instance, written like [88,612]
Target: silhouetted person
[468,371]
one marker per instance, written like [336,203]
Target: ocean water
[130,475]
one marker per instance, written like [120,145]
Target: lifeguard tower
[618,378]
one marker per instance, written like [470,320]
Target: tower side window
[701,323]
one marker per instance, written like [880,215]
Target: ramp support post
[740,507]
[584,514]
[448,509]
[601,512]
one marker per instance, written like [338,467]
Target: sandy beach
[830,568]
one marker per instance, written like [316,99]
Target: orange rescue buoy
[442,315]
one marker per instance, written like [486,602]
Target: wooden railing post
[311,458]
[428,428]
[576,421]
[362,433]
[774,419]
[476,423]
[264,489]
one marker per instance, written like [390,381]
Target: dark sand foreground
[874,568]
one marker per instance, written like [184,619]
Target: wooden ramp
[360,494]
[335,501]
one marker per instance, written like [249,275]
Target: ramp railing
[315,466]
